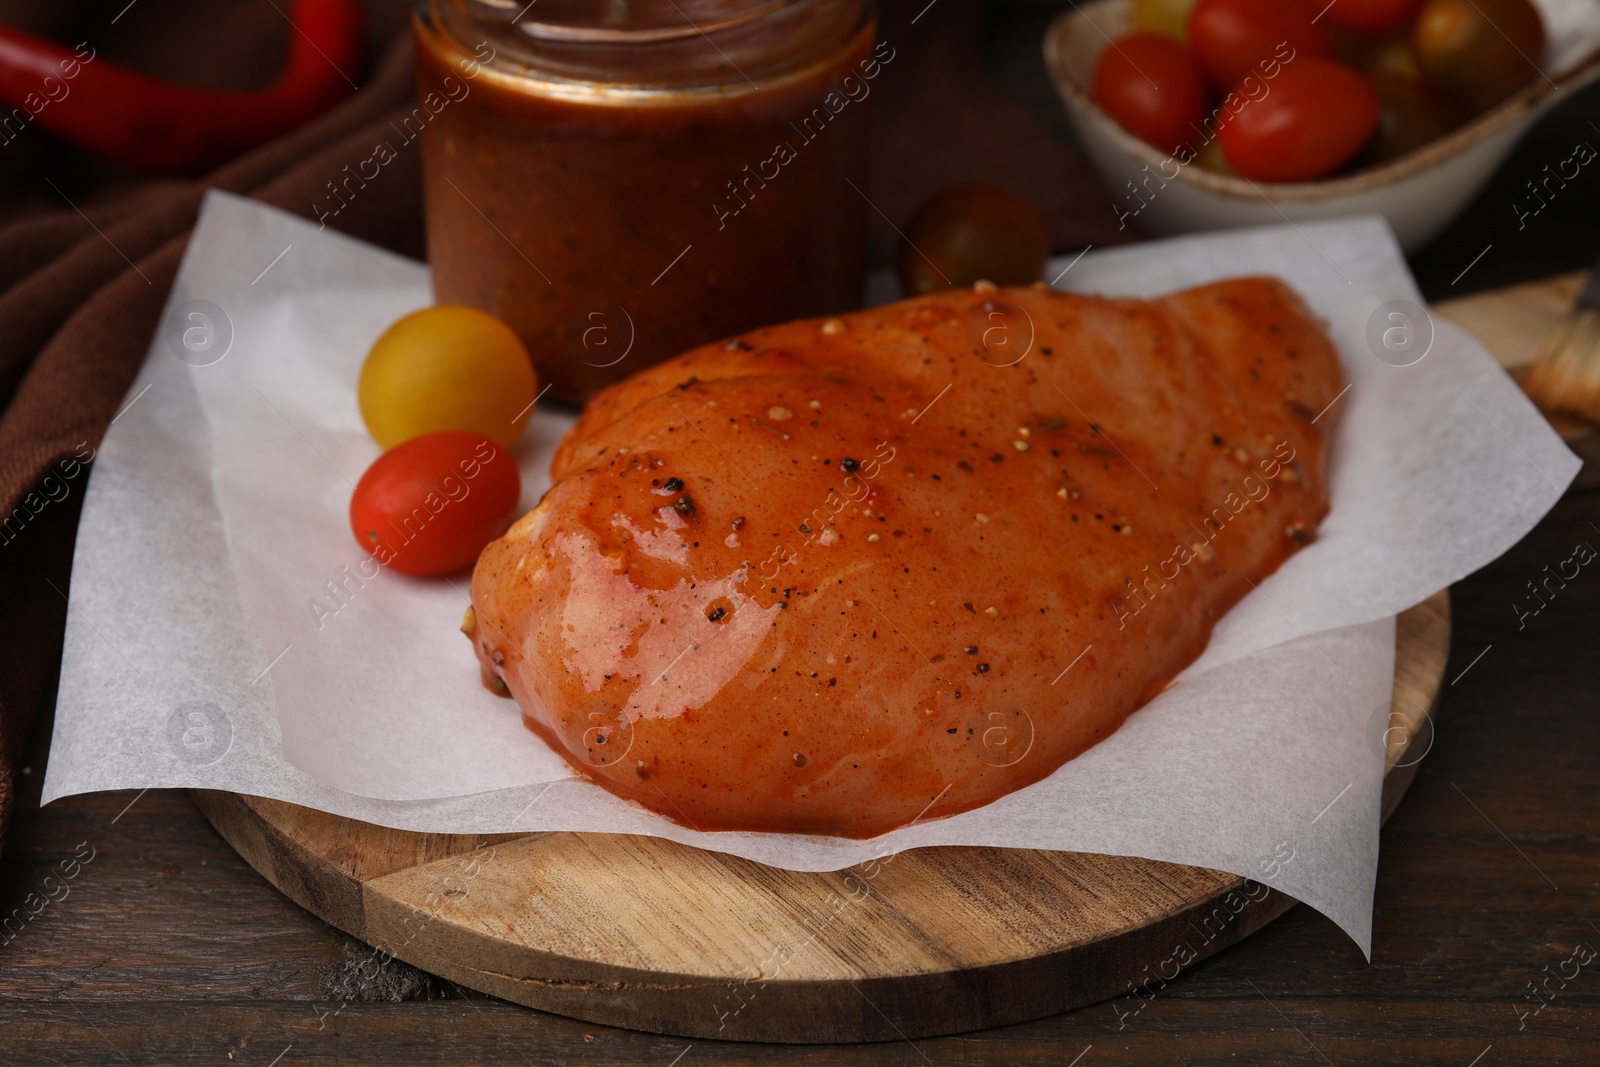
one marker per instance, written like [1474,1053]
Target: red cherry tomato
[1314,116]
[429,505]
[1233,38]
[1371,16]
[1153,87]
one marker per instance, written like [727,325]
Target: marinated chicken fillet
[839,575]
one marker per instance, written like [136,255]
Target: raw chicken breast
[840,575]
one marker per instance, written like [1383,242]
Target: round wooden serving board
[643,933]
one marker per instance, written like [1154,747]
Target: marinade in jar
[623,181]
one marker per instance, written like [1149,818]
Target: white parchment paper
[225,633]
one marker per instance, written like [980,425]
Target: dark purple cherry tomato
[972,233]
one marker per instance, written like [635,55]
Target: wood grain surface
[652,935]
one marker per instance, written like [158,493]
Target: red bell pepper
[164,128]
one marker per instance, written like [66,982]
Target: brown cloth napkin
[81,291]
[83,296]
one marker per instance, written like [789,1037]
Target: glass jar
[621,180]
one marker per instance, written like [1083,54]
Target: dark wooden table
[165,948]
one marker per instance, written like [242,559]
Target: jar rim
[600,33]
[618,51]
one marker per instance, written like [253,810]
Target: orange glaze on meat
[793,582]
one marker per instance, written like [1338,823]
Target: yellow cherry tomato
[1163,16]
[1212,158]
[447,368]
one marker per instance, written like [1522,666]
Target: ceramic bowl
[1419,193]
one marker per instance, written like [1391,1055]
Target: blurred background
[978,106]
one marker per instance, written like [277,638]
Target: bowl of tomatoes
[1212,114]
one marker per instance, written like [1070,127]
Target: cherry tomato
[1410,114]
[1163,16]
[1233,38]
[1390,53]
[1212,158]
[1315,115]
[972,233]
[1153,87]
[1479,51]
[1371,16]
[429,505]
[447,368]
